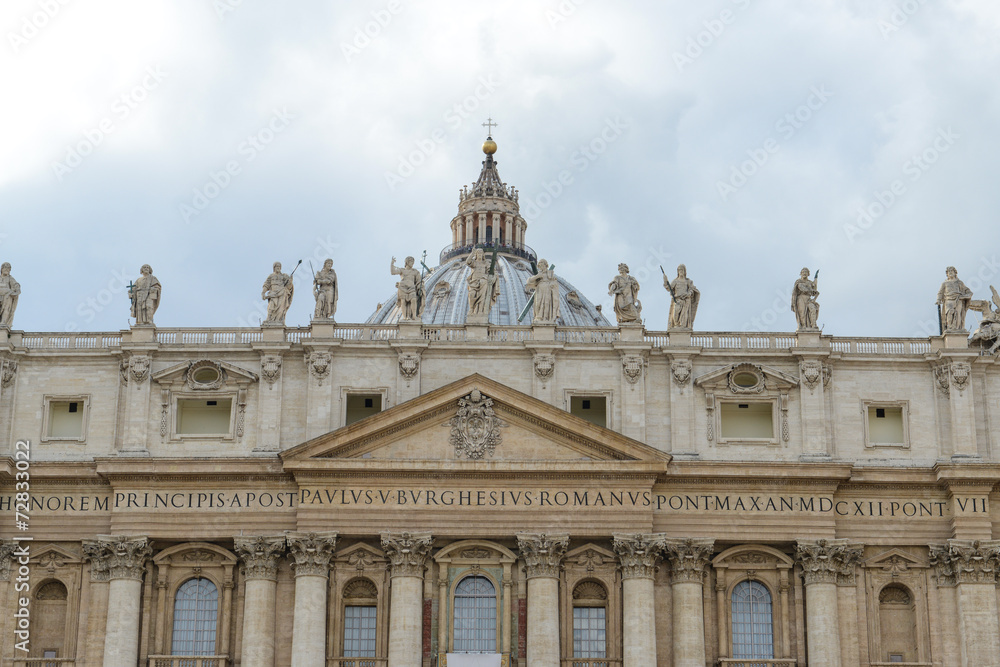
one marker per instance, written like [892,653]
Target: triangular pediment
[736,378]
[198,374]
[895,560]
[447,424]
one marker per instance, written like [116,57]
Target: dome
[447,294]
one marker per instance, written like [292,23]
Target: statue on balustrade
[10,290]
[685,297]
[988,330]
[545,285]
[625,289]
[953,302]
[409,290]
[145,296]
[483,286]
[278,291]
[325,291]
[804,304]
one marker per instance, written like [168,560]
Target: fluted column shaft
[639,555]
[823,563]
[543,557]
[310,554]
[407,552]
[973,567]
[688,558]
[124,559]
[260,568]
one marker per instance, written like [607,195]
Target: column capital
[542,553]
[639,554]
[259,555]
[311,553]
[7,548]
[407,552]
[688,558]
[966,562]
[117,556]
[827,561]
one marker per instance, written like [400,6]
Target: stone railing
[43,662]
[356,662]
[591,662]
[757,662]
[188,661]
[245,337]
[515,249]
[903,664]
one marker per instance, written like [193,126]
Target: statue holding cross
[483,286]
[145,296]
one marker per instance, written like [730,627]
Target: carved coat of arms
[475,428]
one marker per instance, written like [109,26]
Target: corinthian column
[259,556]
[688,558]
[310,554]
[543,556]
[123,557]
[823,562]
[407,552]
[639,555]
[972,566]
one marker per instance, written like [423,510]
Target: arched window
[590,620]
[753,623]
[489,233]
[475,616]
[360,616]
[49,619]
[196,611]
[897,624]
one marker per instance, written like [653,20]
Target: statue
[325,291]
[804,305]
[625,289]
[483,286]
[278,291]
[9,291]
[545,285]
[989,327]
[145,296]
[953,302]
[409,290]
[685,300]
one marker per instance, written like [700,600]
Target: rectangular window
[747,421]
[592,408]
[359,632]
[895,657]
[886,425]
[360,406]
[204,417]
[65,418]
[589,632]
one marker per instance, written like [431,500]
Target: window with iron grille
[475,616]
[196,610]
[359,631]
[753,624]
[590,632]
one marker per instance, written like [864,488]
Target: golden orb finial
[489,146]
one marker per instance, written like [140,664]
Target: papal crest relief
[475,428]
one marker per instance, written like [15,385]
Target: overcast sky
[210,138]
